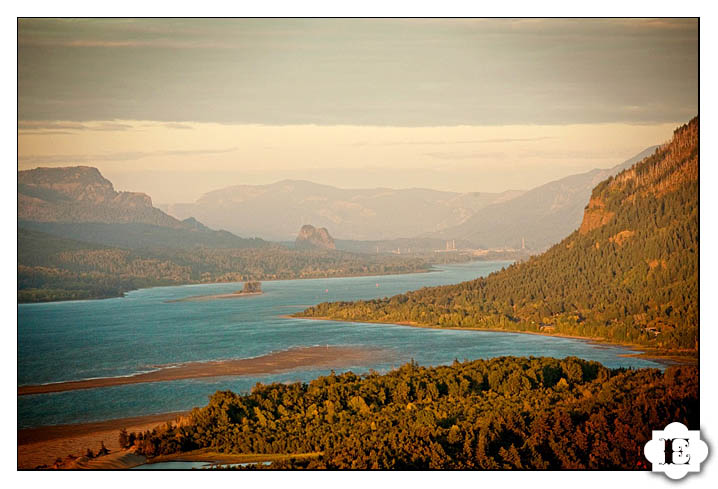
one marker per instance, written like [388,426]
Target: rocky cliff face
[595,215]
[82,194]
[311,237]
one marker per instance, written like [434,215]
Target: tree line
[503,413]
[53,268]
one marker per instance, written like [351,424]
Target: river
[65,341]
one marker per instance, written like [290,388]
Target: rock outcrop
[595,216]
[310,237]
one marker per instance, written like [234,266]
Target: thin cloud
[47,133]
[27,126]
[29,160]
[438,143]
[150,43]
[526,155]
[176,125]
[466,155]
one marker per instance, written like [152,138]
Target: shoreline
[274,362]
[38,434]
[43,445]
[667,359]
[123,295]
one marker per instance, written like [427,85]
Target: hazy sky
[175,108]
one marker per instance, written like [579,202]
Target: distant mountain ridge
[629,274]
[540,217]
[79,203]
[275,211]
[82,194]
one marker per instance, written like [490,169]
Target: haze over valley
[540,216]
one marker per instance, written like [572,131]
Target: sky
[179,107]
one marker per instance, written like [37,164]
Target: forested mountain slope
[629,274]
[138,235]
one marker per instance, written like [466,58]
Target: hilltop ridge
[78,203]
[82,194]
[275,211]
[629,274]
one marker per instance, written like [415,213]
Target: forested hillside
[504,413]
[138,235]
[629,274]
[56,268]
[78,238]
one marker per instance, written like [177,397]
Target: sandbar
[202,298]
[276,362]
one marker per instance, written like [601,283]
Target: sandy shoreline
[667,359]
[314,356]
[41,446]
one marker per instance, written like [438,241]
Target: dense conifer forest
[629,274]
[504,413]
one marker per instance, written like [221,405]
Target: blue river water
[75,340]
